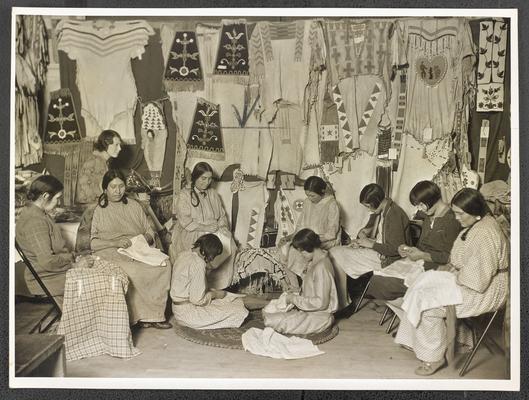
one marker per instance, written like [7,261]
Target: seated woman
[116,220]
[317,301]
[439,230]
[479,260]
[375,247]
[194,304]
[320,214]
[199,210]
[106,148]
[41,241]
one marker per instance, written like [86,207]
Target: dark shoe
[161,325]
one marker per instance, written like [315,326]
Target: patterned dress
[481,263]
[188,229]
[149,286]
[192,303]
[315,304]
[42,243]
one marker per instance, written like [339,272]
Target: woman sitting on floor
[41,241]
[199,210]
[439,230]
[194,304]
[479,260]
[375,247]
[314,306]
[117,219]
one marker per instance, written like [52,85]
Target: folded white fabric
[141,251]
[267,342]
[431,289]
[278,305]
[403,269]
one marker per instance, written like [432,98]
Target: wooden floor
[361,350]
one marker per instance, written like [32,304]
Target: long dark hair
[473,203]
[198,171]
[109,176]
[44,184]
[209,246]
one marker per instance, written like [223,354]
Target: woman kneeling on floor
[194,304]
[312,310]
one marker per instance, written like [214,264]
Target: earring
[478,218]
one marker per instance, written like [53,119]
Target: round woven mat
[230,338]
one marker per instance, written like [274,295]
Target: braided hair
[200,169]
[109,176]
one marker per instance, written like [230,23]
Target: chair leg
[474,351]
[38,325]
[390,326]
[383,319]
[362,297]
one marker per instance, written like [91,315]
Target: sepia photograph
[264,198]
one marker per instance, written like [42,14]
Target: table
[40,355]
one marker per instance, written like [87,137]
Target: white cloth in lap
[141,251]
[355,262]
[432,289]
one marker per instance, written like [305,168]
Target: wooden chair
[55,308]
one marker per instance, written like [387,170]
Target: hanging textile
[499,132]
[183,70]
[284,215]
[396,144]
[253,200]
[153,139]
[329,143]
[232,55]
[61,124]
[70,152]
[205,138]
[103,50]
[31,62]
[436,50]
[349,144]
[482,157]
[491,65]
[150,87]
[360,47]
[281,56]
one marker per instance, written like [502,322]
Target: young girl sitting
[313,308]
[194,304]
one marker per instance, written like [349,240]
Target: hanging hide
[232,55]
[153,139]
[491,65]
[62,122]
[183,70]
[205,138]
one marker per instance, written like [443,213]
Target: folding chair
[473,326]
[54,305]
